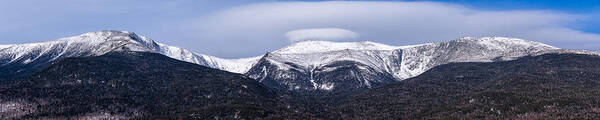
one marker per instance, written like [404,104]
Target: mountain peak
[108,32]
[101,36]
[100,42]
[107,35]
[98,36]
[503,41]
[4,46]
[305,47]
[87,44]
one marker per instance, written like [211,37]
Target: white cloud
[396,23]
[329,34]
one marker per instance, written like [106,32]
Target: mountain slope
[329,66]
[417,59]
[22,59]
[123,85]
[561,86]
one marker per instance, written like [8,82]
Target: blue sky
[255,27]
[562,5]
[568,6]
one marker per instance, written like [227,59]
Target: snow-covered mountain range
[20,59]
[317,65]
[305,65]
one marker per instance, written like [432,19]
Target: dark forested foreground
[124,85]
[136,85]
[551,86]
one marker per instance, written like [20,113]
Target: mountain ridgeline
[120,75]
[308,66]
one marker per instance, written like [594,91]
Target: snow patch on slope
[241,65]
[4,46]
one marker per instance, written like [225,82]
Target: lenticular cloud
[328,34]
